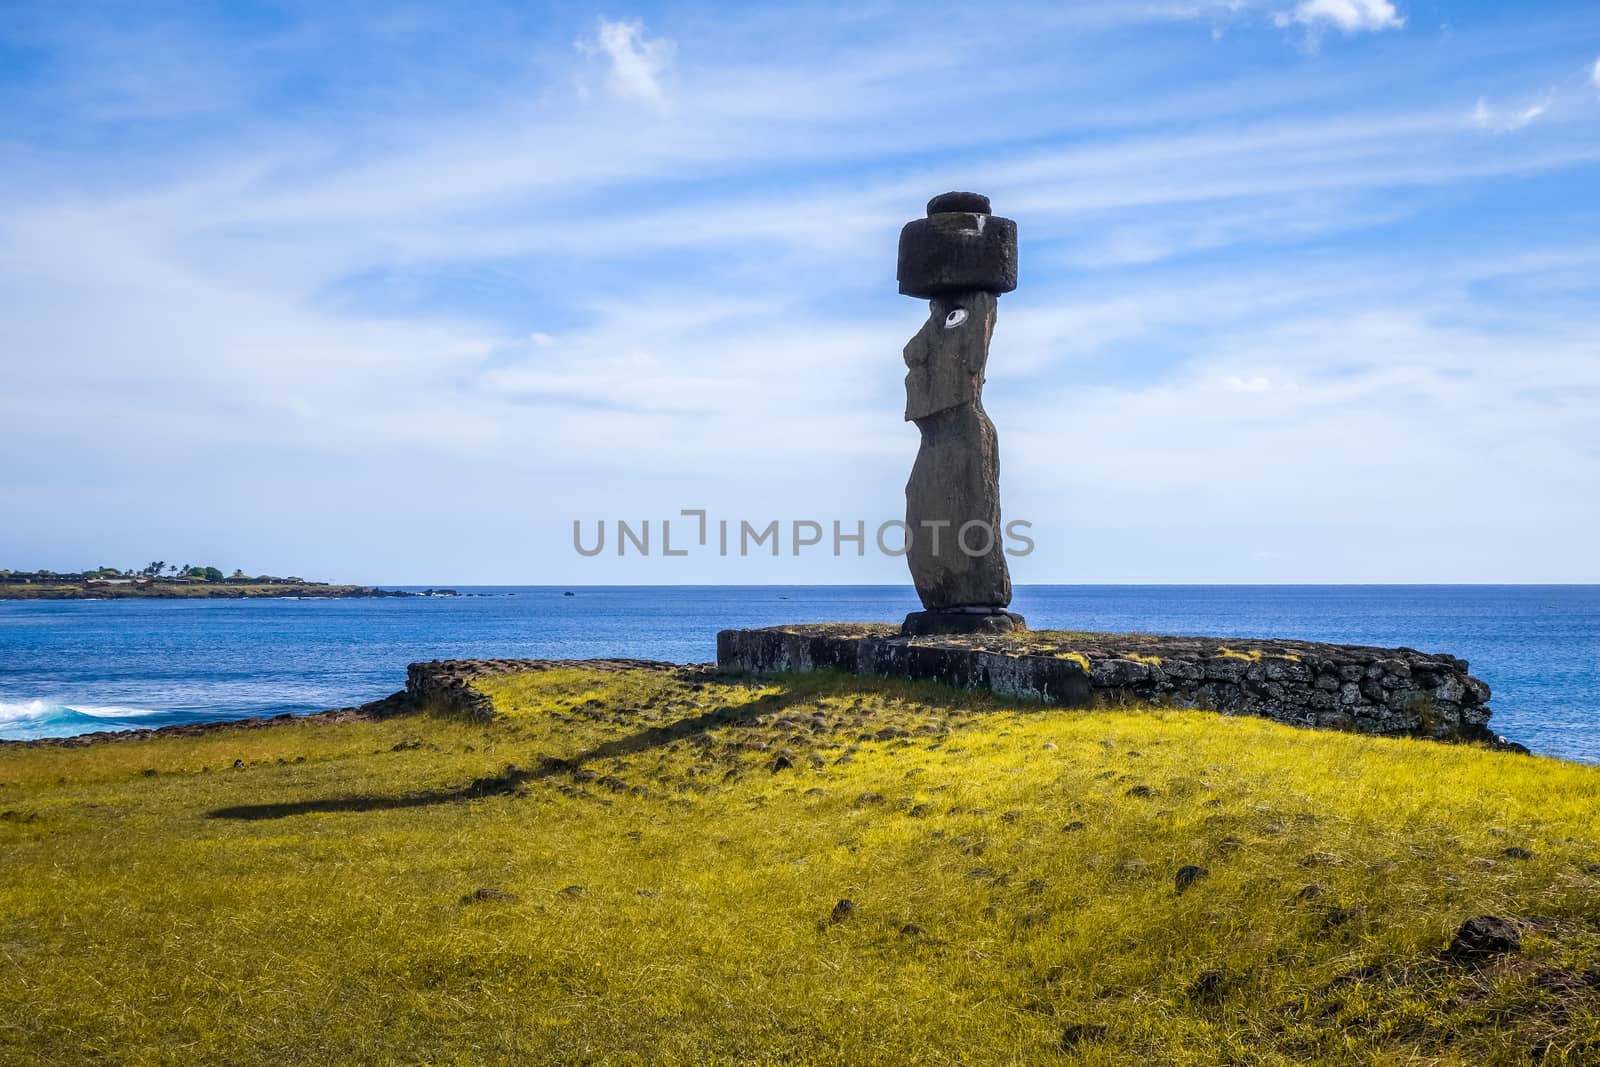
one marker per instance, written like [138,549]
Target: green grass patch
[673,850]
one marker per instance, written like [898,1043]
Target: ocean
[69,667]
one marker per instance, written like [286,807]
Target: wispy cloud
[1349,16]
[636,61]
[1508,120]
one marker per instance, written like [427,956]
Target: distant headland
[161,581]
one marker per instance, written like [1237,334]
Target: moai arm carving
[960,258]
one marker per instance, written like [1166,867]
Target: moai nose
[959,247]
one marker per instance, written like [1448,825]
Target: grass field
[685,870]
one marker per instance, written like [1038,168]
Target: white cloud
[1497,121]
[1351,16]
[1594,75]
[637,62]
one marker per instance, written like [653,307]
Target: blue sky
[395,293]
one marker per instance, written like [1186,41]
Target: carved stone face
[946,357]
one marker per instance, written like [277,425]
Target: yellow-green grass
[1013,887]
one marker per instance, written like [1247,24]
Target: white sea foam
[29,711]
[21,720]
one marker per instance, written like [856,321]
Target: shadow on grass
[514,777]
[482,787]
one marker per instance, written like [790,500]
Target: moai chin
[960,259]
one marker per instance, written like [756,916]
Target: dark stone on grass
[868,799]
[572,891]
[1074,826]
[1209,987]
[1188,875]
[1314,891]
[1336,916]
[1483,937]
[149,772]
[1556,980]
[1141,791]
[1081,1033]
[911,930]
[781,763]
[842,911]
[490,895]
[1516,852]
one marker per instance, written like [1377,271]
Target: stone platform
[1388,691]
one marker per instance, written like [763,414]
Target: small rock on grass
[1209,987]
[1484,936]
[1188,875]
[1516,852]
[842,911]
[1079,1033]
[488,894]
[572,891]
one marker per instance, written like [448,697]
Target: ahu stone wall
[1388,691]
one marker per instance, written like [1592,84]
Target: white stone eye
[955,318]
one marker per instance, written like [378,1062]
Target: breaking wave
[29,719]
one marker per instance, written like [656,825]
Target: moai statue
[960,259]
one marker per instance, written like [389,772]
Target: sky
[399,293]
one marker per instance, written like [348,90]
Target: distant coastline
[188,583]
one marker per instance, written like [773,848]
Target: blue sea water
[70,667]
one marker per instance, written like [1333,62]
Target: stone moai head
[958,258]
